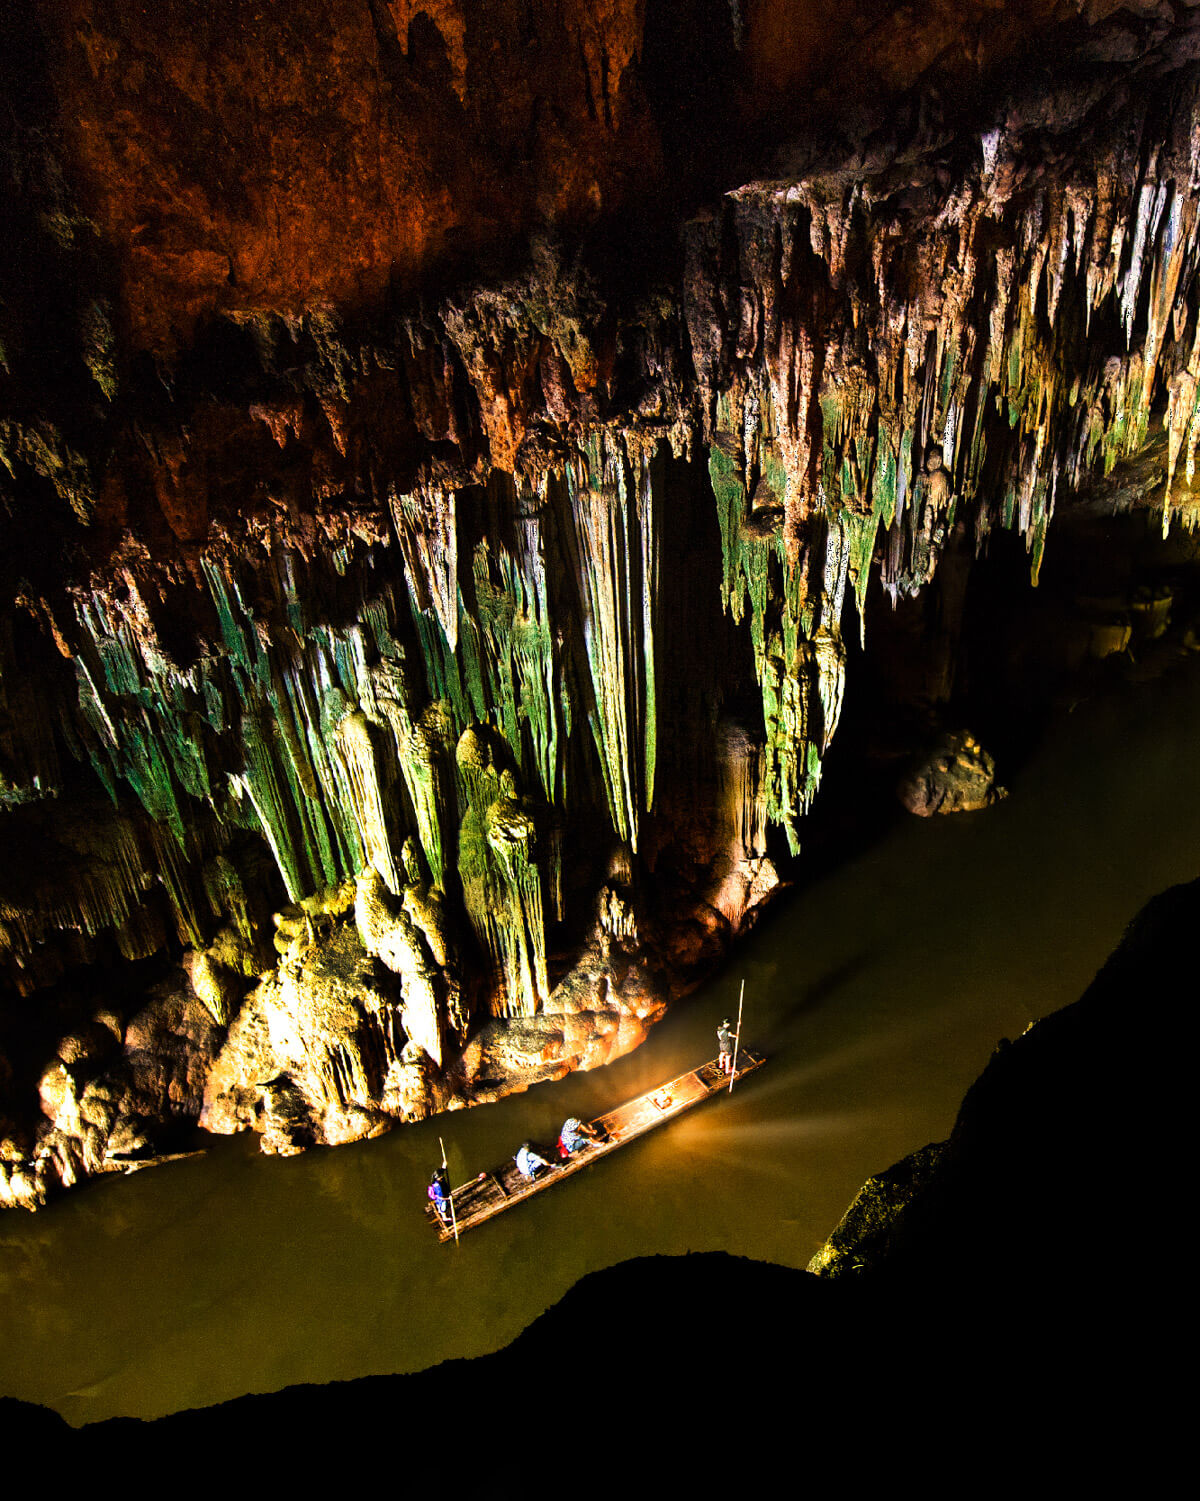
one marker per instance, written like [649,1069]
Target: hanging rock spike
[427,528]
[614,551]
[501,882]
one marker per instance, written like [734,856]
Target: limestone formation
[410,938]
[408,1090]
[113,1096]
[957,776]
[422,474]
[307,1057]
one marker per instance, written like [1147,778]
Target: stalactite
[545,696]
[501,880]
[920,377]
[644,462]
[93,877]
[829,653]
[427,528]
[366,793]
[516,671]
[46,452]
[1182,422]
[294,702]
[267,808]
[614,549]
[511,834]
[422,750]
[1009,278]
[760,575]
[226,893]
[600,536]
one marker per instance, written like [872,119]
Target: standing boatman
[439,1194]
[726,1039]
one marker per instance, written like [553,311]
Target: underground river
[879,992]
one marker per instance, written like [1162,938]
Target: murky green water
[879,994]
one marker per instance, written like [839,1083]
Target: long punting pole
[737,1037]
[446,1170]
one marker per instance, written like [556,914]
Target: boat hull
[503,1188]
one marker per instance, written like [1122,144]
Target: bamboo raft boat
[491,1193]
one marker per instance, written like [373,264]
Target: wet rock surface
[957,776]
[114,1098]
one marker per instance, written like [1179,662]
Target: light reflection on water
[879,994]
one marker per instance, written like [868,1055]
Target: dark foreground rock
[1005,1313]
[1060,1178]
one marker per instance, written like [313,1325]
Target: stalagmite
[741,766]
[516,672]
[389,933]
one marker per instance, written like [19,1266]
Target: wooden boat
[491,1193]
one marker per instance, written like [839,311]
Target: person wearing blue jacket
[439,1194]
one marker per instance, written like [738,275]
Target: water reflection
[879,994]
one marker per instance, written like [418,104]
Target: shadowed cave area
[495,500]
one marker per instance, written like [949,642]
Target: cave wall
[240,159]
[444,450]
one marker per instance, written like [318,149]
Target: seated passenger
[530,1162]
[575,1136]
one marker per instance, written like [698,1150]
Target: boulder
[958,776]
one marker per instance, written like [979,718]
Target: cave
[500,503]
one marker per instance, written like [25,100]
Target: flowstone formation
[421,679]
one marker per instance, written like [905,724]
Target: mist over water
[879,993]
